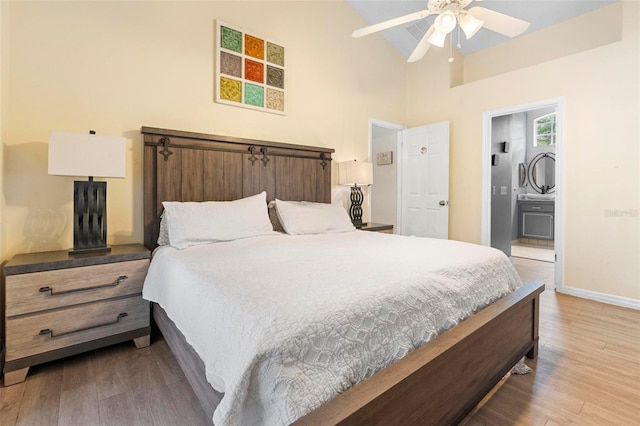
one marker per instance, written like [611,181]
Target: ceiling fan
[449,14]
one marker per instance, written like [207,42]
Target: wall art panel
[250,70]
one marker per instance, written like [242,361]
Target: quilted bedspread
[285,323]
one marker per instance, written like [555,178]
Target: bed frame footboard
[440,383]
[443,381]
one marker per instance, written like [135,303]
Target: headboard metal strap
[264,158]
[324,163]
[252,157]
[165,150]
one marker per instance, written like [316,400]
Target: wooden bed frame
[439,383]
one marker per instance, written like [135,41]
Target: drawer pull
[52,334]
[536,208]
[49,290]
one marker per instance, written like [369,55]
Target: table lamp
[354,173]
[76,154]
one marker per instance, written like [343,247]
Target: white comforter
[285,323]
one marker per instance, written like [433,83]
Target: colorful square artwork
[230,89]
[250,70]
[253,94]
[230,39]
[275,54]
[231,64]
[275,77]
[275,99]
[254,46]
[254,71]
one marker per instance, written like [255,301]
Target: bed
[438,383]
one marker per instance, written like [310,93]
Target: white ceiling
[541,13]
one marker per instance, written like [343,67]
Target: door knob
[443,203]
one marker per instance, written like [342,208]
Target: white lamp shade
[78,154]
[355,173]
[470,25]
[445,22]
[437,39]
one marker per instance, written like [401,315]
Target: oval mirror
[522,171]
[542,173]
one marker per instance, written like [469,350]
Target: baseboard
[625,302]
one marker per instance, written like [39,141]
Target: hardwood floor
[588,366]
[587,372]
[118,385]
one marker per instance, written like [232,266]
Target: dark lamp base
[356,206]
[89,217]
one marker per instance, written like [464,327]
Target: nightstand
[377,227]
[57,305]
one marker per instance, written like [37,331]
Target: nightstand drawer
[38,291]
[35,334]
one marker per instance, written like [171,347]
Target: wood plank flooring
[587,372]
[118,385]
[588,366]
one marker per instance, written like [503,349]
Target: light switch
[494,190]
[503,190]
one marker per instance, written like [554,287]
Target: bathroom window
[544,130]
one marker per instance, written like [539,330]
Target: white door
[425,181]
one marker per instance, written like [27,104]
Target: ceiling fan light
[437,38]
[445,22]
[470,25]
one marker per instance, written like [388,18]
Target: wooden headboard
[187,166]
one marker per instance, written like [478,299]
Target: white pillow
[313,218]
[193,223]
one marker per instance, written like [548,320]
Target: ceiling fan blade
[422,47]
[391,23]
[499,22]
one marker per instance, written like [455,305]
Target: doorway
[384,206]
[523,185]
[410,178]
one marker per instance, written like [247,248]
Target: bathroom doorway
[522,186]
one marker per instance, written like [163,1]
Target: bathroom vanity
[536,209]
[535,219]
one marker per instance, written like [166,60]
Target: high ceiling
[541,13]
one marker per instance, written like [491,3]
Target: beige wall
[575,35]
[115,66]
[602,98]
